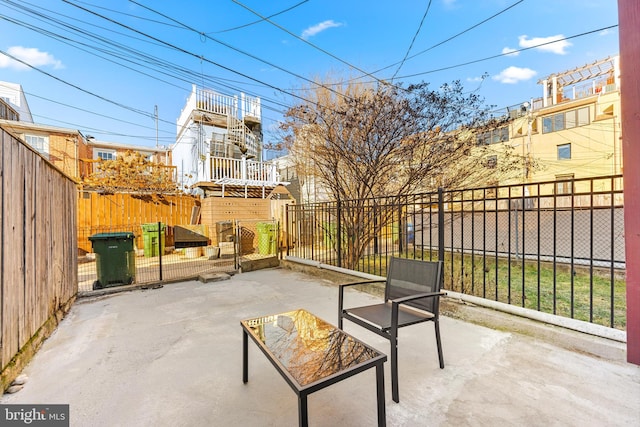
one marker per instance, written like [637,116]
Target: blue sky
[102,67]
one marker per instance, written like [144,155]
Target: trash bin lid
[113,236]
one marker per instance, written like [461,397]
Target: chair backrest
[412,276]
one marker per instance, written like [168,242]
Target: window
[493,136]
[483,138]
[491,162]
[565,184]
[564,152]
[106,155]
[583,116]
[39,143]
[566,120]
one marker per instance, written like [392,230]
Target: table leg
[303,416]
[382,417]
[245,357]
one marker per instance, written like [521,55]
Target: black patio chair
[412,295]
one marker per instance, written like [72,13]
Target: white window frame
[39,143]
[109,153]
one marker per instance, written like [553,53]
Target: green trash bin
[115,258]
[266,237]
[152,245]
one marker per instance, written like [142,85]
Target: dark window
[494,136]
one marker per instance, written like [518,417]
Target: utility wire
[130,53]
[426,12]
[128,60]
[236,49]
[186,52]
[102,131]
[506,53]
[126,107]
[365,73]
[260,20]
[452,37]
[87,111]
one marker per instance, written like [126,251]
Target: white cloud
[605,32]
[510,52]
[558,47]
[474,79]
[315,29]
[30,55]
[514,75]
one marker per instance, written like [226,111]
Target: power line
[506,53]
[130,53]
[236,49]
[259,20]
[186,52]
[86,111]
[426,12]
[102,131]
[308,42]
[135,110]
[453,37]
[126,14]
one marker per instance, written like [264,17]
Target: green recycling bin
[153,244]
[266,237]
[115,258]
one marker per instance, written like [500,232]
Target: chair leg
[437,326]
[394,366]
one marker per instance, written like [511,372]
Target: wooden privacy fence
[38,266]
[98,213]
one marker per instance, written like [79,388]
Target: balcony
[208,104]
[241,177]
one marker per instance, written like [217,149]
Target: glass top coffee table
[311,354]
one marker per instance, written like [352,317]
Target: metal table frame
[304,391]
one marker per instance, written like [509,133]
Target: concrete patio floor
[172,356]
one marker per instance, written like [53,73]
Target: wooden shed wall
[216,209]
[38,262]
[99,213]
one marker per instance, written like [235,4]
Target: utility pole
[155,113]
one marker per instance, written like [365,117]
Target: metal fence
[556,247]
[156,253]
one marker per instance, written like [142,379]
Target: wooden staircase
[239,134]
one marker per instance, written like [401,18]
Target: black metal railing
[555,246]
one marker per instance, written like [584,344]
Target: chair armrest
[417,296]
[341,290]
[366,282]
[395,303]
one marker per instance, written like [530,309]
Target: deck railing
[243,171]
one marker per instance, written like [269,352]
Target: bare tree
[362,141]
[132,172]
